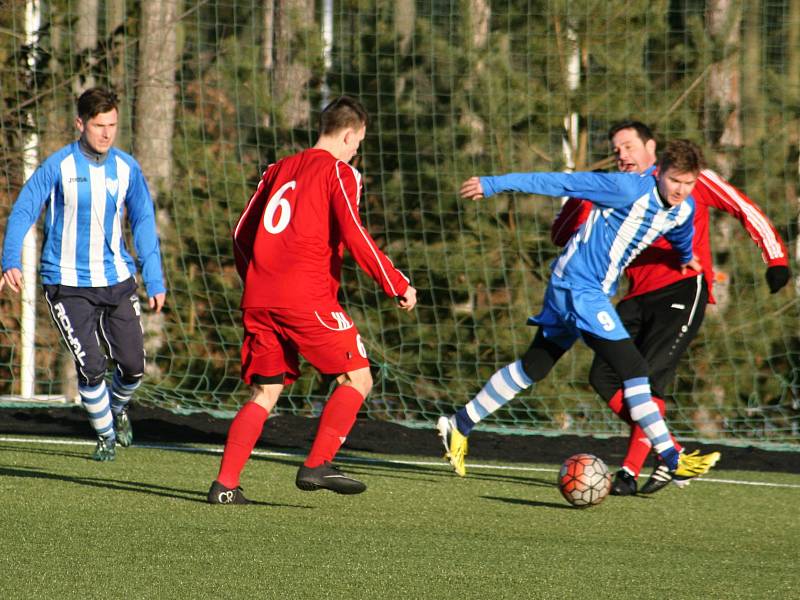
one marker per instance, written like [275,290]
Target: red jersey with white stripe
[289,242]
[659,266]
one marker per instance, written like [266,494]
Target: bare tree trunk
[405,15]
[115,20]
[268,48]
[572,79]
[155,122]
[793,52]
[267,45]
[293,21]
[115,61]
[752,96]
[479,14]
[56,127]
[155,91]
[86,44]
[793,99]
[723,94]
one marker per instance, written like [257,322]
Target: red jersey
[289,242]
[659,265]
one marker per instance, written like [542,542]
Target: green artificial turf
[140,528]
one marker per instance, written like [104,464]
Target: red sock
[338,418]
[638,449]
[617,404]
[245,430]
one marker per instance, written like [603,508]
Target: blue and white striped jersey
[628,216]
[83,242]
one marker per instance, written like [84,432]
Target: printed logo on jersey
[340,319]
[112,185]
[66,328]
[77,179]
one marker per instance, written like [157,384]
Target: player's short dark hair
[682,155]
[643,131]
[95,101]
[342,113]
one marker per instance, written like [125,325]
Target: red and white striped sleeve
[721,194]
[356,238]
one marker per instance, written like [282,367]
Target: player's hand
[12,277]
[472,189]
[408,300]
[157,302]
[693,264]
[777,277]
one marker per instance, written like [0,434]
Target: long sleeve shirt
[628,215]
[85,204]
[658,266]
[289,242]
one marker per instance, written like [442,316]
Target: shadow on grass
[356,465]
[537,481]
[124,486]
[444,472]
[528,502]
[87,455]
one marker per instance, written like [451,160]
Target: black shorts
[97,324]
[661,323]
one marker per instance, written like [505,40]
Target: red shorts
[273,338]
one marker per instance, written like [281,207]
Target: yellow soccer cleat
[693,465]
[455,445]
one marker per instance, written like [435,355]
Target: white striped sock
[503,386]
[98,407]
[646,414]
[121,393]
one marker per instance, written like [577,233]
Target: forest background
[214,91]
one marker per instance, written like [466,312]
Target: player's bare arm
[12,277]
[472,189]
[408,300]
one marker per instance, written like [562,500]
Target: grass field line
[358,459]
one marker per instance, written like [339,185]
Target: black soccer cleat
[327,477]
[659,479]
[219,494]
[624,484]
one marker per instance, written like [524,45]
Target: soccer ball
[584,480]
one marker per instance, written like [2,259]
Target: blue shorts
[568,312]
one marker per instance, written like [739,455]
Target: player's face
[352,140]
[633,155]
[100,131]
[675,186]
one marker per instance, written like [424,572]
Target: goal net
[214,91]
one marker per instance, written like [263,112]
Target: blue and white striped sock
[95,401]
[121,393]
[501,387]
[645,412]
